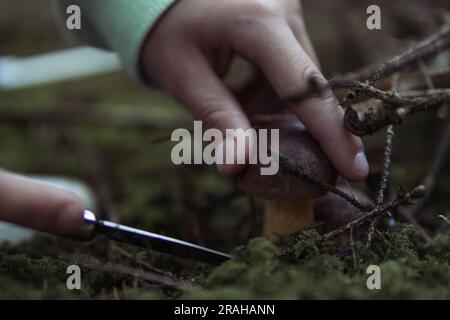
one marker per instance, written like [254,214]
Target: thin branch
[433,45]
[292,168]
[401,199]
[386,169]
[384,180]
[386,164]
[394,110]
[424,93]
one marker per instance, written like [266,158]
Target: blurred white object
[55,66]
[14,234]
[82,190]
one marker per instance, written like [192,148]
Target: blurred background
[112,134]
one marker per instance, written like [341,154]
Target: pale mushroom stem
[285,217]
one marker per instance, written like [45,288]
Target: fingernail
[231,158]
[361,165]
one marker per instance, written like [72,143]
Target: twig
[433,45]
[349,187]
[384,180]
[401,199]
[386,169]
[292,168]
[397,108]
[394,110]
[386,164]
[424,93]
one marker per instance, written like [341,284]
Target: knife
[148,240]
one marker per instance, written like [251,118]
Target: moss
[258,251]
[401,242]
[439,248]
[304,267]
[30,270]
[15,289]
[301,247]
[302,270]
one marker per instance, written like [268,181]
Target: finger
[195,85]
[276,51]
[38,205]
[298,27]
[257,96]
[295,15]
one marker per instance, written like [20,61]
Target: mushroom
[335,211]
[288,205]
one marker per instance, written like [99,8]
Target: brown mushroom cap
[297,144]
[335,211]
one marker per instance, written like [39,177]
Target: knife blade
[152,241]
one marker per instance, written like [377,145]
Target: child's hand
[38,205]
[191,48]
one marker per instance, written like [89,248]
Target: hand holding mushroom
[272,37]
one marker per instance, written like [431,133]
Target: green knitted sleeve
[118,25]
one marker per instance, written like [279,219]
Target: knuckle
[213,115]
[262,7]
[254,12]
[316,82]
[216,115]
[316,87]
[311,74]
